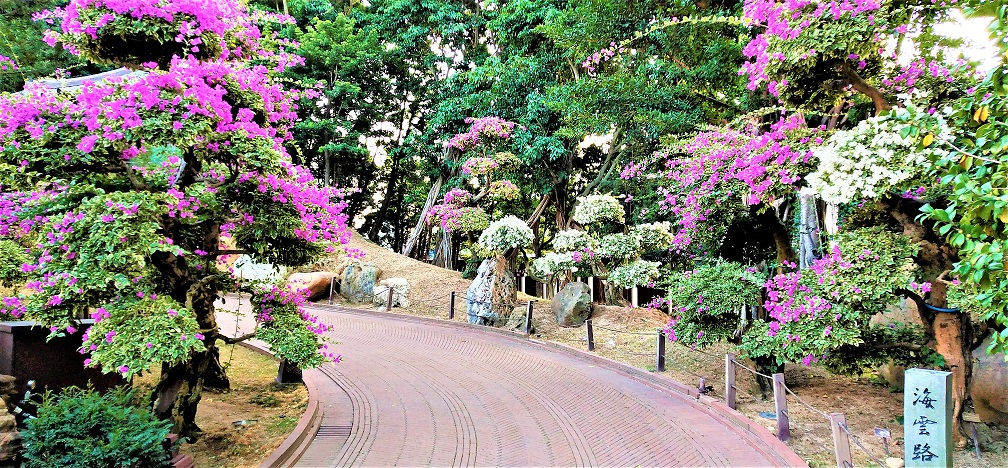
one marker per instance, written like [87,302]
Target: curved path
[414,391]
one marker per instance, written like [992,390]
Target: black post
[451,306]
[388,306]
[528,320]
[332,285]
[591,336]
[660,358]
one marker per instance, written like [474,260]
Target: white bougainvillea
[505,234]
[598,208]
[636,273]
[546,267]
[618,246]
[654,236]
[874,158]
[571,239]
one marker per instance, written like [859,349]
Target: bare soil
[243,426]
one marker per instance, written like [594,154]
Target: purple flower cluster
[763,162]
[482,128]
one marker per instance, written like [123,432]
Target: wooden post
[388,306]
[528,320]
[591,335]
[451,306]
[841,442]
[780,405]
[660,354]
[729,377]
[332,285]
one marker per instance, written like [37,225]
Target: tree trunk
[390,189]
[422,222]
[951,333]
[782,238]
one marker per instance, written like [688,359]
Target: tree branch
[861,86]
[238,339]
[191,293]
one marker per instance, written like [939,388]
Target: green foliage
[21,40]
[81,428]
[134,333]
[902,343]
[12,256]
[706,303]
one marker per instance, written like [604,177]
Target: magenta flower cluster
[7,64]
[481,129]
[783,21]
[763,162]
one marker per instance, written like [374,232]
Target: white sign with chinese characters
[927,418]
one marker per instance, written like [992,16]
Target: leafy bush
[81,428]
[705,301]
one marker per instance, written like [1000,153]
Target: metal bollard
[388,306]
[528,320]
[332,285]
[451,306]
[591,335]
[660,358]
[729,371]
[780,406]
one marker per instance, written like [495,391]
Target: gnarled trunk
[951,334]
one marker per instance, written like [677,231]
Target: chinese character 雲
[921,423]
[924,398]
[923,453]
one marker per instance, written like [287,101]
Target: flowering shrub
[597,209]
[724,171]
[549,265]
[136,178]
[482,129]
[457,196]
[705,303]
[816,311]
[571,240]
[618,246]
[505,234]
[803,38]
[636,273]
[291,333]
[454,218]
[653,236]
[504,190]
[129,335]
[479,166]
[873,159]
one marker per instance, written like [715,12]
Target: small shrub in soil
[82,428]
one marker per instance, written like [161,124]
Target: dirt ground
[243,426]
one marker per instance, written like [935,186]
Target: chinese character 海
[924,399]
[923,453]
[921,423]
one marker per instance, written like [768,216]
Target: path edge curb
[291,449]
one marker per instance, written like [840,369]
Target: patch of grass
[283,424]
[265,399]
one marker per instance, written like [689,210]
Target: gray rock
[572,305]
[990,379]
[400,292]
[492,294]
[516,321]
[358,281]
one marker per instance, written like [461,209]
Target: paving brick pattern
[417,392]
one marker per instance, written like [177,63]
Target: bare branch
[237,339]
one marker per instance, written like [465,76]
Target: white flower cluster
[654,236]
[867,161]
[571,240]
[547,266]
[597,208]
[619,246]
[636,273]
[505,234]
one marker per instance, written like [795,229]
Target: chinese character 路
[923,453]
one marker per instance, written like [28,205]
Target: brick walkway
[413,392]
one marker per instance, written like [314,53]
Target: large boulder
[318,283]
[400,292]
[990,379]
[572,305]
[358,281]
[492,294]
